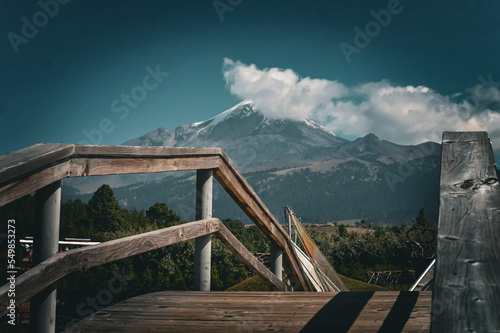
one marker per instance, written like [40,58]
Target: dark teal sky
[64,80]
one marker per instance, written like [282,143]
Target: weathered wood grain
[143,151]
[233,244]
[466,294]
[16,164]
[64,263]
[25,171]
[35,181]
[119,166]
[171,311]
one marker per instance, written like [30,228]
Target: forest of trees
[353,190]
[103,219]
[388,248]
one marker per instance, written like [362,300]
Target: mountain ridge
[298,163]
[242,131]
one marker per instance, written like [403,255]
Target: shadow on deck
[195,311]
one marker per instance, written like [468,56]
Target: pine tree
[103,210]
[162,215]
[421,221]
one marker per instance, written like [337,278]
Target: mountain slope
[323,177]
[252,140]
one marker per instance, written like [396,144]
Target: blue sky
[427,67]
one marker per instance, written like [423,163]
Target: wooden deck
[194,311]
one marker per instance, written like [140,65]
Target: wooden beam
[98,166]
[203,244]
[143,151]
[248,258]
[276,260]
[51,270]
[35,181]
[236,186]
[466,295]
[16,165]
[27,170]
[46,245]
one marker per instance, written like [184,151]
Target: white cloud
[280,93]
[402,114]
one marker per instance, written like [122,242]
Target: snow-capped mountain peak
[243,129]
[246,109]
[315,125]
[241,109]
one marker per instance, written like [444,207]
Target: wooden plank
[32,168]
[467,280]
[236,186]
[119,166]
[258,311]
[161,325]
[274,226]
[64,263]
[16,165]
[143,151]
[20,188]
[233,244]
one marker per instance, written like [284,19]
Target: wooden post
[46,244]
[203,244]
[287,214]
[276,261]
[466,295]
[289,227]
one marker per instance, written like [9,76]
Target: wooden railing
[58,266]
[27,170]
[41,168]
[467,285]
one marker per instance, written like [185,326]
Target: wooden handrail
[58,266]
[64,263]
[242,193]
[29,169]
[25,171]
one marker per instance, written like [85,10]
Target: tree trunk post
[46,244]
[276,261]
[203,245]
